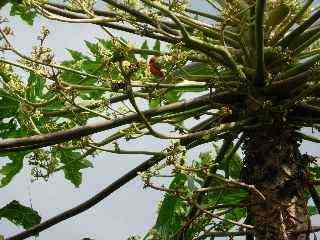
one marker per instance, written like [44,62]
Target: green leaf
[231,165]
[146,47]
[315,171]
[11,169]
[8,106]
[312,210]
[108,44]
[172,96]
[157,46]
[93,47]
[25,13]
[20,215]
[236,215]
[226,196]
[195,68]
[77,55]
[154,102]
[73,163]
[35,88]
[168,220]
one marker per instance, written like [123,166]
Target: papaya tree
[240,76]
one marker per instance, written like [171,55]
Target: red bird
[154,68]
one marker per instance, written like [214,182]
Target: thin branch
[223,219]
[121,151]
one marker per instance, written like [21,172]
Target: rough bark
[274,165]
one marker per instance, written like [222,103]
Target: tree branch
[43,140]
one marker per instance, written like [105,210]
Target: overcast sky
[129,211]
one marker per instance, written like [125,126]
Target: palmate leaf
[84,64]
[73,163]
[20,215]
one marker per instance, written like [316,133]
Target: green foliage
[172,210]
[231,164]
[35,88]
[20,215]
[235,215]
[8,105]
[145,46]
[157,46]
[312,210]
[12,168]
[24,12]
[73,163]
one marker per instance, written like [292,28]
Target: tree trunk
[273,164]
